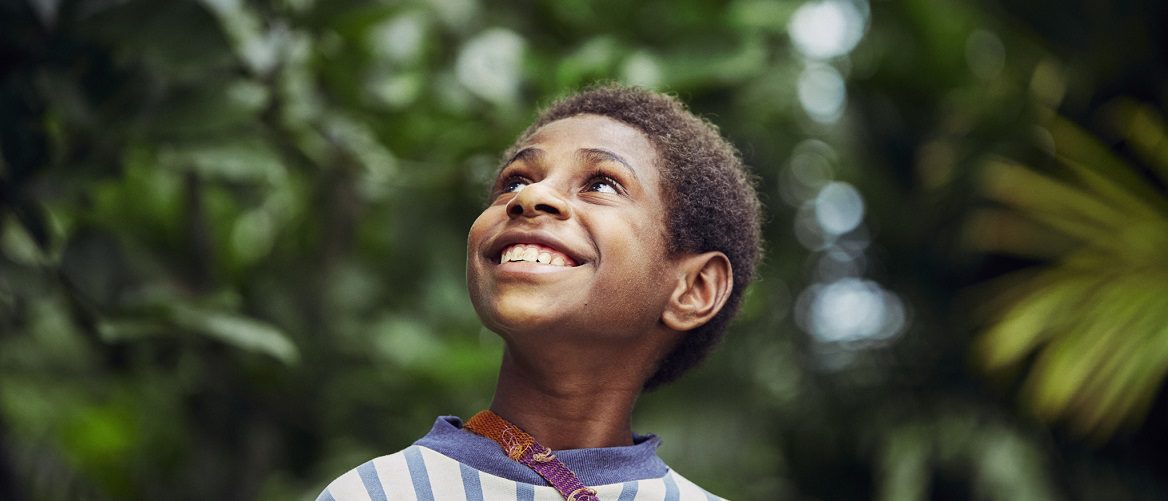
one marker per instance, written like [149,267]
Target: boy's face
[574,241]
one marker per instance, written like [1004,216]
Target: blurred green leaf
[241,332]
[1145,130]
[1095,315]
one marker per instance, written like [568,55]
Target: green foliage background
[232,240]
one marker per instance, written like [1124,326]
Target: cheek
[474,242]
[640,275]
[477,227]
[480,229]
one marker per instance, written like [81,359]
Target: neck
[565,408]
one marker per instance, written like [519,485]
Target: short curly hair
[710,197]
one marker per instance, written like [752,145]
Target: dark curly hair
[710,197]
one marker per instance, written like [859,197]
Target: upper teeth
[533,254]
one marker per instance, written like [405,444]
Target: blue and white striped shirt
[452,464]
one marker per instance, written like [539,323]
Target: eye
[513,184]
[603,184]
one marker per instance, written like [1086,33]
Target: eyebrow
[603,155]
[529,154]
[536,155]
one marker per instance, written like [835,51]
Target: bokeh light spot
[490,64]
[641,69]
[851,310]
[399,39]
[823,30]
[822,93]
[985,54]
[838,208]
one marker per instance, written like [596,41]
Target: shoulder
[422,474]
[669,487]
[687,489]
[405,474]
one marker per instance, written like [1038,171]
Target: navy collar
[600,466]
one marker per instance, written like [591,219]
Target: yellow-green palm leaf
[1094,320]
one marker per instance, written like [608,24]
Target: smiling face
[573,243]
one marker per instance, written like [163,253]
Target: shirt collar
[599,466]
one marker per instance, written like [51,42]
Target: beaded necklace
[522,447]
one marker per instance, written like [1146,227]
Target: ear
[703,285]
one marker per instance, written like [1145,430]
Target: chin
[508,318]
[515,321]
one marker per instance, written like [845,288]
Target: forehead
[596,132]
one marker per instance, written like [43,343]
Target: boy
[620,235]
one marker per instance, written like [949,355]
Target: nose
[537,199]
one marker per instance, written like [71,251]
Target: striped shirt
[450,464]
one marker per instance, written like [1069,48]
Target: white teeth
[531,254]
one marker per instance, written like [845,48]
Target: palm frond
[1095,317]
